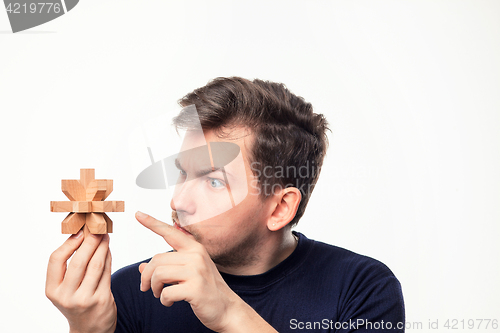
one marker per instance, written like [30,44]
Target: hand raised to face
[192,275]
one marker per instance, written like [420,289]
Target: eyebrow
[203,172]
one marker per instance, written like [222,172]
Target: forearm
[93,330]
[244,319]
[111,330]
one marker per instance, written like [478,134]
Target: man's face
[221,209]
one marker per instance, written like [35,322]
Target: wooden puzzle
[87,208]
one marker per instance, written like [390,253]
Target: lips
[178,227]
[175,220]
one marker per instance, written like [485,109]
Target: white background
[411,90]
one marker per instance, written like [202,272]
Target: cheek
[210,203]
[222,222]
[231,227]
[248,215]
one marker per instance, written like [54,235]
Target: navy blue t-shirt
[318,288]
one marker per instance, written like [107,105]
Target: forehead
[239,136]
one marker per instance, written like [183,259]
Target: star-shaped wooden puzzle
[87,207]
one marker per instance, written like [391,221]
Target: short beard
[239,255]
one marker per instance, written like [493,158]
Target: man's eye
[182,173]
[215,183]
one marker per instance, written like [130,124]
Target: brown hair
[288,134]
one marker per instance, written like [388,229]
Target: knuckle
[83,303]
[164,297]
[73,302]
[157,273]
[198,247]
[76,264]
[198,283]
[50,294]
[102,300]
[55,258]
[199,271]
[157,258]
[198,258]
[67,303]
[198,264]
[96,265]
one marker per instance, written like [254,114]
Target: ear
[287,203]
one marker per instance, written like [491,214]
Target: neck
[271,251]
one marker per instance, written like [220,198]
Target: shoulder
[340,259]
[368,289]
[360,279]
[347,260]
[367,276]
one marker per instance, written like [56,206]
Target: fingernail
[140,287]
[141,215]
[78,234]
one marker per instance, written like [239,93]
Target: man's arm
[245,320]
[194,278]
[81,290]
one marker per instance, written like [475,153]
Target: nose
[183,197]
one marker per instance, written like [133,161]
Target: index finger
[57,261]
[176,238]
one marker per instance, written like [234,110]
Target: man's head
[288,137]
[283,143]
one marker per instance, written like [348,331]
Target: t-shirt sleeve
[373,301]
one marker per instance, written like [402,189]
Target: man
[237,264]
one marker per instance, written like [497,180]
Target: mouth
[177,226]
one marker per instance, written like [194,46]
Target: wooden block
[102,188]
[86,231]
[71,206]
[108,206]
[73,223]
[109,223]
[102,206]
[109,226]
[109,188]
[73,190]
[87,206]
[86,176]
[61,206]
[98,189]
[119,206]
[82,206]
[96,223]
